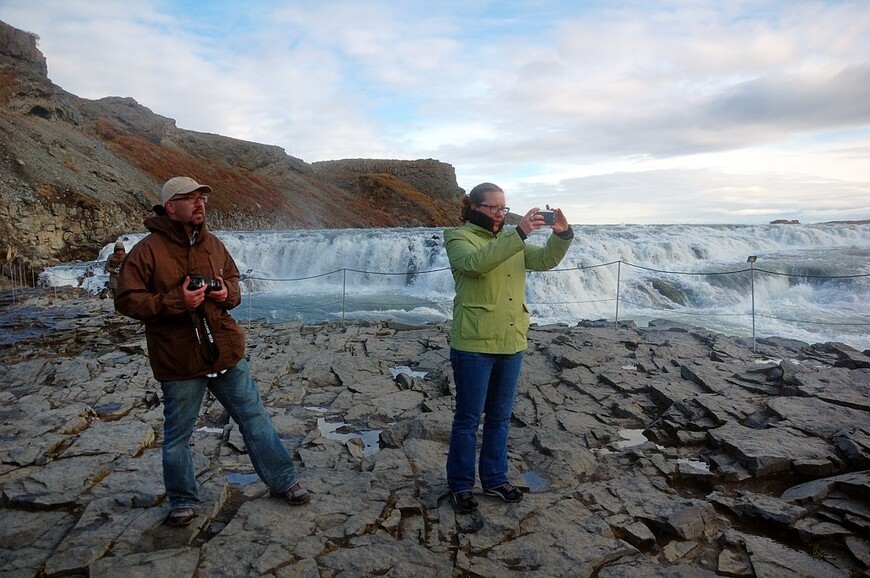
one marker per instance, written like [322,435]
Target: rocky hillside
[76,173]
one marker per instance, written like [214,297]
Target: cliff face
[76,173]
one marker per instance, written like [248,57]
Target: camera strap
[212,351]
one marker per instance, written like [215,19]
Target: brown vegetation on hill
[234,189]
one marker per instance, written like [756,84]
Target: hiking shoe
[507,492]
[179,517]
[297,495]
[464,502]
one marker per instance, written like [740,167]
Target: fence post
[249,285]
[14,286]
[751,260]
[618,274]
[343,292]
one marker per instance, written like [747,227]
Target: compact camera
[197,281]
[549,217]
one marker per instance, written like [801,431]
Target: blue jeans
[485,384]
[239,395]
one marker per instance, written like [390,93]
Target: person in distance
[488,337]
[113,267]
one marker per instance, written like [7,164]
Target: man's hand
[221,295]
[194,299]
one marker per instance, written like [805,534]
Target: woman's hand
[531,222]
[561,224]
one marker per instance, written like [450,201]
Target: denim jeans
[485,384]
[239,395]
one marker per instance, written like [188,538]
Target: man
[113,267]
[194,343]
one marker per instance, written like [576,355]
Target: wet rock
[771,559]
[618,436]
[734,561]
[855,483]
[179,562]
[116,439]
[766,508]
[638,535]
[29,538]
[769,451]
[846,356]
[59,483]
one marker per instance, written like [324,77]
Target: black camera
[549,217]
[198,281]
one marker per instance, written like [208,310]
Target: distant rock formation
[77,173]
[785,222]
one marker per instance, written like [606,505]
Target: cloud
[699,196]
[534,95]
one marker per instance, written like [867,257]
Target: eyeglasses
[193,199]
[496,209]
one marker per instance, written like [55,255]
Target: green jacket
[489,310]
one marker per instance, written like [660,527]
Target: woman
[490,321]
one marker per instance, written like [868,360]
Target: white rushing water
[811,282]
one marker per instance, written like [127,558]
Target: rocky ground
[660,451]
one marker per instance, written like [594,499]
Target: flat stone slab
[661,451]
[773,450]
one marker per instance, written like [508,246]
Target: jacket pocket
[478,321]
[232,339]
[525,320]
[173,351]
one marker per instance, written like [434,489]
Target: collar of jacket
[173,230]
[480,231]
[482,220]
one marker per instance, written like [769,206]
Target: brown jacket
[149,290]
[111,267]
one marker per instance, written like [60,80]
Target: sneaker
[179,517]
[507,492]
[297,495]
[464,502]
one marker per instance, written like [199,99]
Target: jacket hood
[173,230]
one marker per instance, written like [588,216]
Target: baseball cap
[180,186]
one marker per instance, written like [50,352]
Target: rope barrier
[93,271]
[563,270]
[278,279]
[693,273]
[679,312]
[807,276]
[812,322]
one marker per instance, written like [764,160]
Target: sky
[619,111]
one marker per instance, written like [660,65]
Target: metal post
[12,273]
[618,274]
[249,284]
[343,292]
[751,260]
